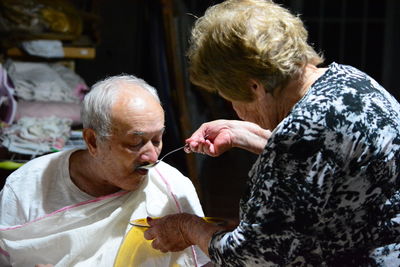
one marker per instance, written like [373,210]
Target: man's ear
[89,135]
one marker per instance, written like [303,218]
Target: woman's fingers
[212,138]
[155,244]
[202,147]
[149,234]
[167,234]
[210,149]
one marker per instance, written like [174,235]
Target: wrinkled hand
[171,233]
[212,138]
[216,137]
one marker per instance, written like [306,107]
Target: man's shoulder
[35,168]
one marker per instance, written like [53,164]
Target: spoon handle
[179,148]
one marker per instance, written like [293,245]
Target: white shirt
[45,217]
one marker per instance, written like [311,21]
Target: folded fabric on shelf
[41,109]
[44,48]
[36,136]
[8,105]
[36,81]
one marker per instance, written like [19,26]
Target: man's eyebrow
[144,133]
[137,133]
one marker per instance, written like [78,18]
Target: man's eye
[156,142]
[135,146]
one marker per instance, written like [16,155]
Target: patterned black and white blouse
[323,192]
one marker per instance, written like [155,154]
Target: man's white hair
[97,104]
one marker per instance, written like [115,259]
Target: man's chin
[134,182]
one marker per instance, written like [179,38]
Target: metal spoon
[151,165]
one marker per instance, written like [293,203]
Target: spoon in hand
[151,165]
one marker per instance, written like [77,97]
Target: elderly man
[73,208]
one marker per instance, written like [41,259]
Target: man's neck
[84,174]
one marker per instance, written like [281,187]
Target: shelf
[69,52]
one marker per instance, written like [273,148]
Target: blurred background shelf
[69,52]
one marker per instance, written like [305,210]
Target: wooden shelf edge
[69,52]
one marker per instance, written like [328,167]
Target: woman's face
[262,110]
[251,111]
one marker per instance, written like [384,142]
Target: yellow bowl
[136,251]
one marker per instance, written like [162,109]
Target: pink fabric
[80,90]
[179,209]
[6,90]
[40,109]
[5,253]
[170,191]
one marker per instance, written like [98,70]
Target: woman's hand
[212,138]
[216,137]
[179,231]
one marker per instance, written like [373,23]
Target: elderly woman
[324,188]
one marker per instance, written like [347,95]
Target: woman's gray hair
[240,40]
[97,104]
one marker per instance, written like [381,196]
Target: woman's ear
[89,135]
[257,88]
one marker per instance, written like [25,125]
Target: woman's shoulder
[346,109]
[344,94]
[342,79]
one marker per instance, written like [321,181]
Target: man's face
[138,127]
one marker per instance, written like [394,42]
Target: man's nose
[150,153]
